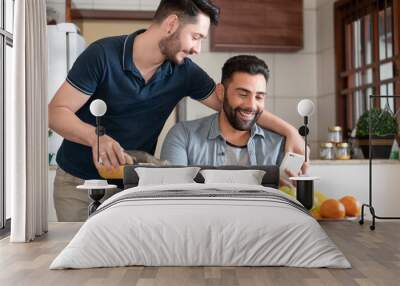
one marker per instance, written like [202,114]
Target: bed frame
[270,179]
[131,179]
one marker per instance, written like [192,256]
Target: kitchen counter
[327,162]
[338,178]
[353,162]
[52,167]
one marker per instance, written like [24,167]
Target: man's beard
[170,46]
[233,116]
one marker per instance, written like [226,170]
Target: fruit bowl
[324,208]
[347,208]
[346,218]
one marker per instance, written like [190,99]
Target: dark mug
[305,193]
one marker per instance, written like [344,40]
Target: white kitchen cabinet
[82,4]
[116,5]
[131,5]
[51,211]
[338,178]
[149,5]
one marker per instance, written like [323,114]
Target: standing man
[141,77]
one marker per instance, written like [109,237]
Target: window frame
[345,12]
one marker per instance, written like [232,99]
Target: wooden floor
[374,255]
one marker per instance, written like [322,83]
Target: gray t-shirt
[236,155]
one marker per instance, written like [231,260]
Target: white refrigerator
[65,44]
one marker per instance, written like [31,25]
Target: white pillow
[248,177]
[165,176]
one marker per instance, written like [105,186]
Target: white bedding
[187,230]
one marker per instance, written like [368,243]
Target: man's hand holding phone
[290,167]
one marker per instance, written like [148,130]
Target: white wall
[144,5]
[326,101]
[149,5]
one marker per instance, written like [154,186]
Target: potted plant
[384,128]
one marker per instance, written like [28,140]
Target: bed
[201,224]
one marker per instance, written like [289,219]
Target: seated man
[230,137]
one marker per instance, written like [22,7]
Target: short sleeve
[88,69]
[199,84]
[281,153]
[174,148]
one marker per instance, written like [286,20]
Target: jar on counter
[335,134]
[342,151]
[326,151]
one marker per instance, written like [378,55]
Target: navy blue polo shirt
[136,111]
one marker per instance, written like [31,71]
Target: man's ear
[220,92]
[170,24]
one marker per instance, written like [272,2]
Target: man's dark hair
[187,10]
[244,63]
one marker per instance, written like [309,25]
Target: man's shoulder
[196,127]
[109,43]
[188,62]
[190,65]
[200,122]
[270,135]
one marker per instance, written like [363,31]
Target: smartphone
[291,162]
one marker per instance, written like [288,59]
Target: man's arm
[62,119]
[267,120]
[174,148]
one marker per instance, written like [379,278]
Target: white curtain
[26,123]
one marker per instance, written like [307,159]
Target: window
[367,57]
[6,44]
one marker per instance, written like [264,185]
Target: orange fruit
[113,173]
[318,199]
[332,208]
[351,205]
[316,214]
